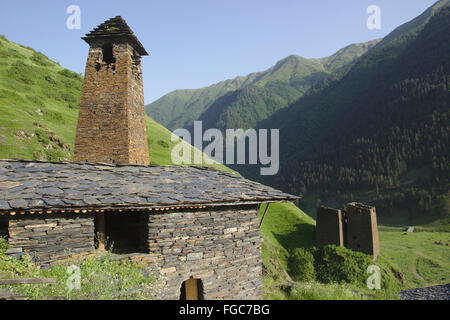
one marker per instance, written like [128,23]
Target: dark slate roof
[34,185]
[115,28]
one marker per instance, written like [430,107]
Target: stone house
[199,225]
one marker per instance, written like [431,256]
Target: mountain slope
[223,104]
[39,103]
[379,134]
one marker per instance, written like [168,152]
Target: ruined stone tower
[355,228]
[362,229]
[330,227]
[111,122]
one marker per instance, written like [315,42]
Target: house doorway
[4,227]
[192,289]
[120,232]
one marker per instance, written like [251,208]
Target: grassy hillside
[39,103]
[243,101]
[407,260]
[418,255]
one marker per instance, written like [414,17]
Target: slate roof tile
[58,185]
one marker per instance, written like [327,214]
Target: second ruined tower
[111,122]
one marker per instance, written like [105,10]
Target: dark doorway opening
[123,232]
[4,227]
[108,55]
[192,289]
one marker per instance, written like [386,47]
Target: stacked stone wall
[50,240]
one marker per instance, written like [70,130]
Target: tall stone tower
[362,229]
[111,123]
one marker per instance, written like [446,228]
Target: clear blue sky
[195,43]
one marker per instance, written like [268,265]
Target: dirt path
[416,273]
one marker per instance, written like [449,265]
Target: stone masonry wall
[362,229]
[220,246]
[329,227]
[111,122]
[355,228]
[51,239]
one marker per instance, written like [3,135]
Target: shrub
[22,72]
[163,144]
[70,74]
[68,97]
[301,265]
[13,53]
[51,78]
[54,155]
[42,136]
[53,116]
[341,265]
[40,59]
[35,100]
[3,246]
[320,291]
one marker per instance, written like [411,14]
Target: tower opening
[192,289]
[108,54]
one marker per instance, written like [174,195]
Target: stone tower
[111,122]
[362,229]
[329,227]
[355,228]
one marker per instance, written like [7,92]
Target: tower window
[108,55]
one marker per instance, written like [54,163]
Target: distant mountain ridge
[381,133]
[243,101]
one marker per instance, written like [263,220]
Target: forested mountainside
[244,101]
[380,133]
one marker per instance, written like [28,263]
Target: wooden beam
[101,233]
[264,214]
[6,282]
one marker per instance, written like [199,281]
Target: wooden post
[7,282]
[101,231]
[191,287]
[264,214]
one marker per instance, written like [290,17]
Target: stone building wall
[111,122]
[219,246]
[51,239]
